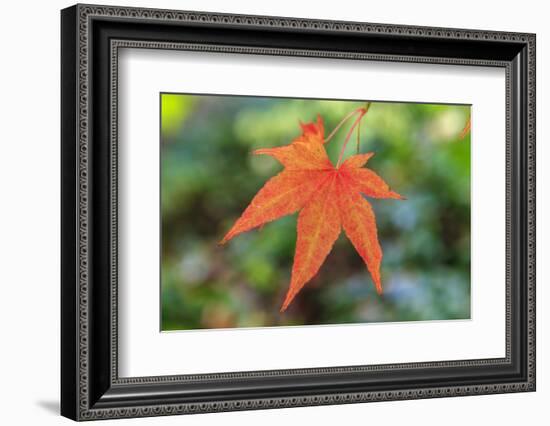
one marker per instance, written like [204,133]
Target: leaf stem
[362,112]
[341,123]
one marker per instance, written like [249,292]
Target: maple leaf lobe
[317,230]
[282,195]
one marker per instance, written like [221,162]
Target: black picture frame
[90,386]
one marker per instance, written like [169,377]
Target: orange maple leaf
[328,198]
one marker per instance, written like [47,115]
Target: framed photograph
[263,212]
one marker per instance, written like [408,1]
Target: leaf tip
[377,282]
[260,151]
[225,239]
[289,298]
[368,156]
[397,196]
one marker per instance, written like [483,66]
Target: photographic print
[294,212]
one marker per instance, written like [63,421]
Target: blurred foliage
[208,176]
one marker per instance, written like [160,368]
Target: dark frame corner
[90,38]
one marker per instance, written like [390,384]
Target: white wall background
[29,212]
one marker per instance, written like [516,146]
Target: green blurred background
[208,177]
